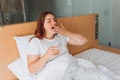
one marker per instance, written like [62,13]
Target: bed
[87,25]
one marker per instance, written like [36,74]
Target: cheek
[46,26]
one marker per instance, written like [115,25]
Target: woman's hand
[60,29]
[52,51]
[36,63]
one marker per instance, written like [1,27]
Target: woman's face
[49,23]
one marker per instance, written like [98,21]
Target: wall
[65,8]
[62,8]
[116,23]
[104,8]
[35,7]
[80,7]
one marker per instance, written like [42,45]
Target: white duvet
[67,67]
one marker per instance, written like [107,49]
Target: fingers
[57,29]
[54,50]
[62,25]
[60,29]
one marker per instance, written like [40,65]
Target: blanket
[67,67]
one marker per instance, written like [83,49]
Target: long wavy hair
[40,30]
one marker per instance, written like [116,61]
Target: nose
[54,22]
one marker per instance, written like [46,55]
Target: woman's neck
[48,36]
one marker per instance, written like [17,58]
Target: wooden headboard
[84,25]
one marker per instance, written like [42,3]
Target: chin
[55,34]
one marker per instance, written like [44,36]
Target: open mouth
[52,27]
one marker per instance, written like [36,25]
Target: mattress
[101,57]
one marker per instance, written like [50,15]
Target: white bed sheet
[101,57]
[98,57]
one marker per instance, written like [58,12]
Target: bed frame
[85,25]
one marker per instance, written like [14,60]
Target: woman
[49,37]
[48,55]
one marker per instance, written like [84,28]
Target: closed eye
[48,21]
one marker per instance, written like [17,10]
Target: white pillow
[20,70]
[22,42]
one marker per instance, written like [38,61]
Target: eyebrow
[50,18]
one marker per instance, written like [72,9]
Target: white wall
[80,7]
[62,8]
[116,23]
[104,8]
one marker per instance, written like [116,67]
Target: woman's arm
[36,63]
[75,39]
